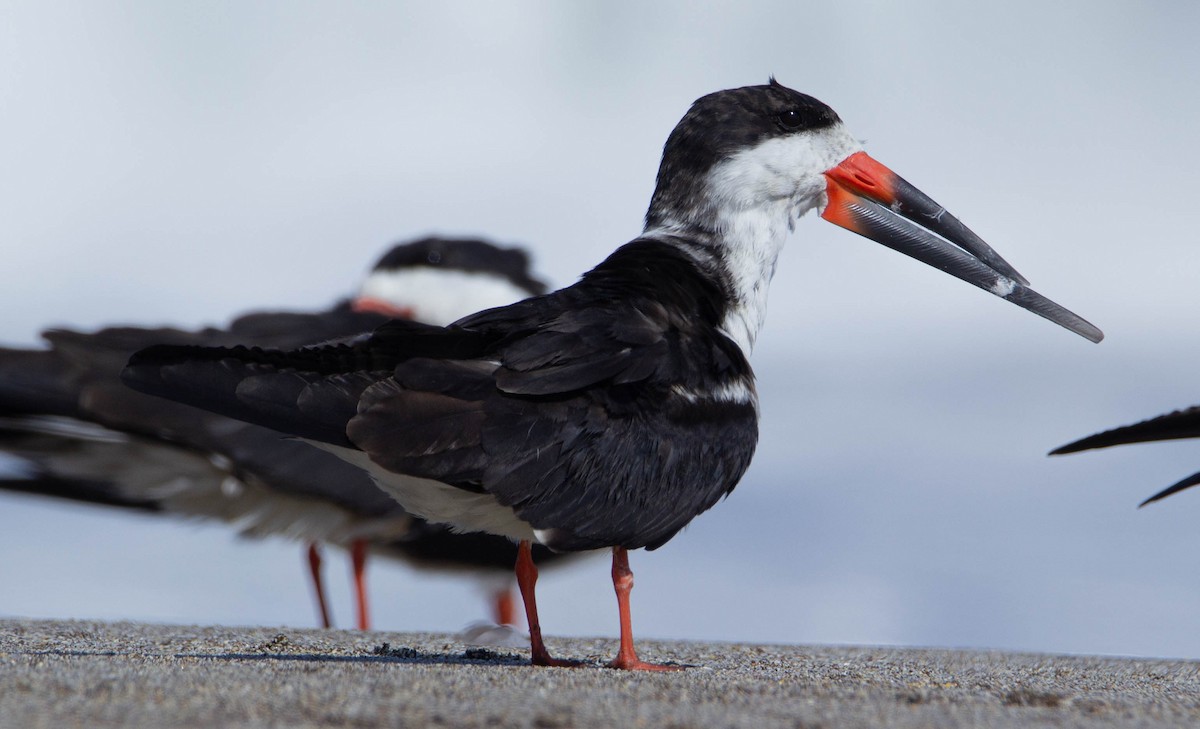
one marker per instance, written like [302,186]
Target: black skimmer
[89,438]
[612,412]
[1171,426]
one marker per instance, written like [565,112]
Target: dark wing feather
[1171,426]
[231,386]
[79,377]
[88,491]
[1179,424]
[310,392]
[618,344]
[1175,488]
[599,479]
[427,420]
[287,330]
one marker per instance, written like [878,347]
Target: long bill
[868,198]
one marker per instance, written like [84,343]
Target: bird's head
[743,164]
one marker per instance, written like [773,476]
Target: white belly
[439,503]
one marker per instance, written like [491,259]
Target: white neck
[754,239]
[748,244]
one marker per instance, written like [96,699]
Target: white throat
[755,237]
[752,200]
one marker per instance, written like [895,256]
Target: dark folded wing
[570,423]
[288,330]
[80,378]
[311,392]
[1172,426]
[429,418]
[1174,488]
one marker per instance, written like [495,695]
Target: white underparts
[437,502]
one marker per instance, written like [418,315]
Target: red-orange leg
[314,567]
[358,557]
[505,607]
[526,580]
[623,583]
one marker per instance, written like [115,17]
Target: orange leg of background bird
[623,583]
[358,556]
[506,609]
[314,566]
[526,579]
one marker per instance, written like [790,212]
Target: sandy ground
[61,674]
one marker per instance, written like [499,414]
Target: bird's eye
[790,119]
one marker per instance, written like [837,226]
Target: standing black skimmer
[89,438]
[1171,426]
[612,412]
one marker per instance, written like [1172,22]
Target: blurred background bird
[82,435]
[1176,425]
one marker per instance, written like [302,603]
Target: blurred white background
[182,163]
